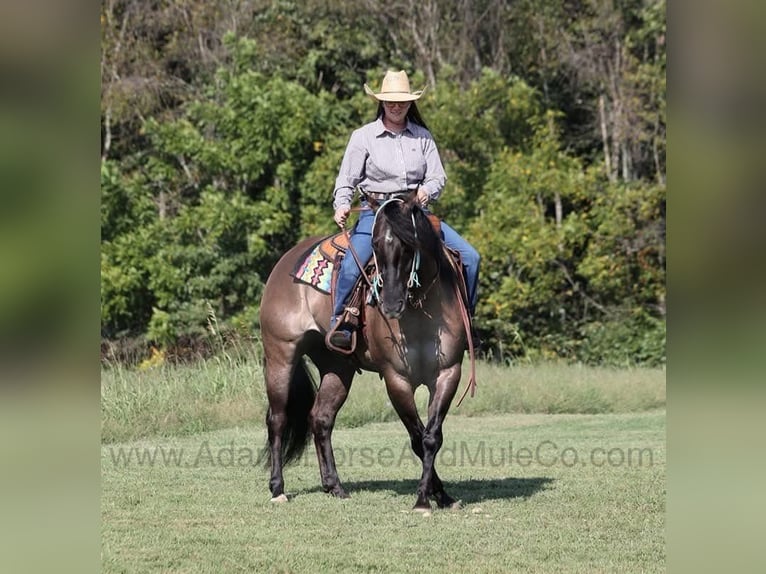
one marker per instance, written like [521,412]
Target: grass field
[560,469]
[541,493]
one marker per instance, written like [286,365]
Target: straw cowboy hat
[395,88]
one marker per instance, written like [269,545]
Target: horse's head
[404,243]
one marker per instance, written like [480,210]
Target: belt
[380,196]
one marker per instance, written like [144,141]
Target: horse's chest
[417,361]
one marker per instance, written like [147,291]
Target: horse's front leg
[402,397]
[442,394]
[332,393]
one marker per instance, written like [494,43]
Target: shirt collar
[381,129]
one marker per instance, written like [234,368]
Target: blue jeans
[361,240]
[471,260]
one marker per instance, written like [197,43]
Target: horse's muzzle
[395,310]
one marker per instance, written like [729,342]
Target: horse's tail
[300,399]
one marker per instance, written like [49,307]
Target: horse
[415,333]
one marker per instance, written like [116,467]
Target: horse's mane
[399,217]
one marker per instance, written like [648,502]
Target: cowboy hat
[395,88]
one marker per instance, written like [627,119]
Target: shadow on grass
[469,491]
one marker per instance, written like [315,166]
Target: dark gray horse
[415,335]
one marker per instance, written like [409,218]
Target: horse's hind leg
[333,390]
[291,395]
[277,387]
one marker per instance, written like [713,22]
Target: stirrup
[341,336]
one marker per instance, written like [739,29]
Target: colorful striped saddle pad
[315,268]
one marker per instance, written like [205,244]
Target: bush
[635,340]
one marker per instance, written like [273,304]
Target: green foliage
[319,44]
[126,300]
[576,250]
[471,127]
[625,258]
[226,175]
[317,187]
[624,341]
[225,184]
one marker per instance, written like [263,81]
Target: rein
[377,281]
[471,351]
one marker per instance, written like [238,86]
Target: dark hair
[413,114]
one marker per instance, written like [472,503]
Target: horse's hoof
[446,501]
[281,498]
[425,510]
[337,492]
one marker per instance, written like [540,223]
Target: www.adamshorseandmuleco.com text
[546,453]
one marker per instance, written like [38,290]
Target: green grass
[167,400]
[212,514]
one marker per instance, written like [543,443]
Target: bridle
[377,279]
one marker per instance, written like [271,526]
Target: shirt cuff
[343,198]
[433,191]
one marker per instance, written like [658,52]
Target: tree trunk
[429,24]
[625,152]
[107,133]
[162,204]
[605,139]
[656,154]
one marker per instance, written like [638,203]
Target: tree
[220,150]
[156,55]
[577,251]
[224,184]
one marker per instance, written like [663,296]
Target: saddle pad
[315,269]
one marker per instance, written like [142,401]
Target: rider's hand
[341,214]
[423,196]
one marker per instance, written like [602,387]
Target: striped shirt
[378,160]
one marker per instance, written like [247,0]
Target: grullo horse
[414,334]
